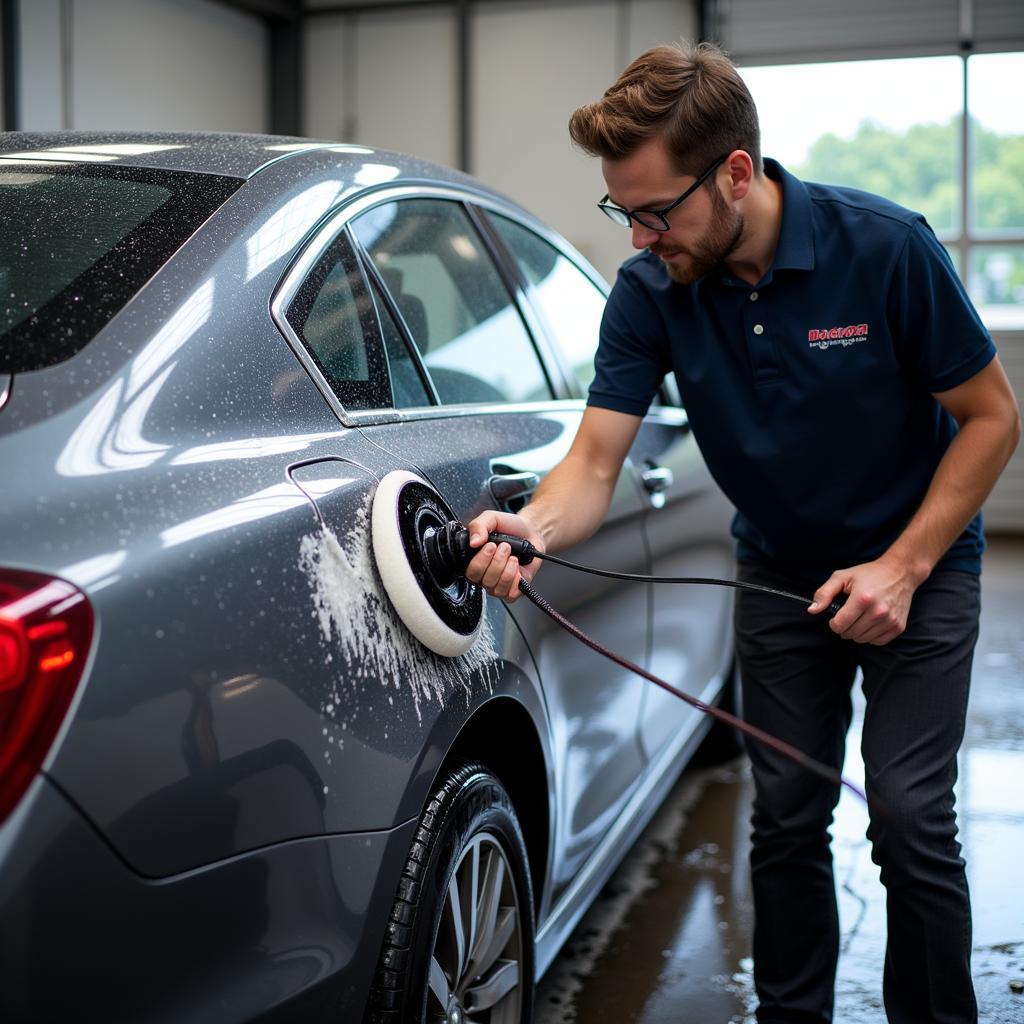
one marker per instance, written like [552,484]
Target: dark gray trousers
[797,678]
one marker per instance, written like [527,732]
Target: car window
[408,389]
[334,316]
[75,230]
[571,303]
[458,311]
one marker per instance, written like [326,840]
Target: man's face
[703,230]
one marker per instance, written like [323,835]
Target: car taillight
[45,632]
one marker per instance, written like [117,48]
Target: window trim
[380,289]
[341,251]
[338,220]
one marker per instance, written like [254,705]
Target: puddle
[673,944]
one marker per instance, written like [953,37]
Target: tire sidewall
[479,804]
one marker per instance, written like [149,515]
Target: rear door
[474,409]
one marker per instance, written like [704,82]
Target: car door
[495,428]
[687,529]
[686,516]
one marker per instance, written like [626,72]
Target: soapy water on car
[358,624]
[428,629]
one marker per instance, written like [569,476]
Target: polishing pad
[444,615]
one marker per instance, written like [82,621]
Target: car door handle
[657,479]
[506,487]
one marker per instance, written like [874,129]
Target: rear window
[76,243]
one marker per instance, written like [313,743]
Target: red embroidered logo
[826,337]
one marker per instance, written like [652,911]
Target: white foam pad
[398,578]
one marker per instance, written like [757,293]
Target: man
[850,403]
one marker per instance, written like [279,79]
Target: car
[233,786]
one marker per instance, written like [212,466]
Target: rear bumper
[292,929]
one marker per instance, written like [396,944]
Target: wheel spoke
[488,993]
[458,927]
[504,929]
[439,984]
[489,905]
[472,901]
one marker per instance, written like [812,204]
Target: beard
[719,241]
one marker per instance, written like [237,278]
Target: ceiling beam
[280,10]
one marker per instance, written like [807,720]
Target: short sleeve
[632,352]
[938,334]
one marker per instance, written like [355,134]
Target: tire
[437,963]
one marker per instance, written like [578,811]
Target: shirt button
[753,296]
[758,329]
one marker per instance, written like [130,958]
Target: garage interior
[487,86]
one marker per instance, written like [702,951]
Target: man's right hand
[494,566]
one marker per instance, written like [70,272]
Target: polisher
[422,551]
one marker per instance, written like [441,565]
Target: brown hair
[691,96]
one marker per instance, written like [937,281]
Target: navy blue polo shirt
[810,394]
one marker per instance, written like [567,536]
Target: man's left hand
[878,602]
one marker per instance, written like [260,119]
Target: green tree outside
[919,168]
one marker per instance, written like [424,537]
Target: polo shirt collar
[795,249]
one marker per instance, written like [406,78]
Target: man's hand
[878,604]
[494,565]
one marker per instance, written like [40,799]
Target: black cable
[447,553]
[526,553]
[786,749]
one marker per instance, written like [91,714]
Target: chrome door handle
[506,487]
[657,479]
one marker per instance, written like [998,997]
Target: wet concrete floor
[669,938]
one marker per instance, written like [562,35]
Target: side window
[461,317]
[571,303]
[408,389]
[333,315]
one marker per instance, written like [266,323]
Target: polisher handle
[521,547]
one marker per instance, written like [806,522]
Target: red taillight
[45,632]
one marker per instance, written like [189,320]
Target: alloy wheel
[476,961]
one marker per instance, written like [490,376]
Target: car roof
[226,153]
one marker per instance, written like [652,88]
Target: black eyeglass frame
[615,212]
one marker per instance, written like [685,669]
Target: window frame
[557,354]
[337,222]
[342,252]
[963,239]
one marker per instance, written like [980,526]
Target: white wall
[386,80]
[40,81]
[141,64]
[389,79]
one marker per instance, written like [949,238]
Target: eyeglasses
[656,220]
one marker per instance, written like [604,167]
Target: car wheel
[459,942]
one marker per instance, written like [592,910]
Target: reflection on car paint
[109,439]
[279,234]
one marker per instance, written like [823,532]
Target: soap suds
[358,622]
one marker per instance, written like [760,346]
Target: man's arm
[880,592]
[567,508]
